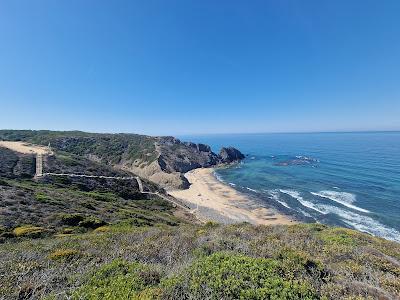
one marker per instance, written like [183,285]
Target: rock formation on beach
[230,154]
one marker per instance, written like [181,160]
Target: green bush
[338,236]
[4,183]
[234,276]
[118,280]
[294,264]
[106,197]
[81,220]
[42,197]
[71,219]
[28,231]
[91,222]
[63,254]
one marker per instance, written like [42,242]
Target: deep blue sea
[345,179]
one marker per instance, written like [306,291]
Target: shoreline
[213,200]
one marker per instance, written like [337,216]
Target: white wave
[343,198]
[362,223]
[218,177]
[275,196]
[255,191]
[296,195]
[232,184]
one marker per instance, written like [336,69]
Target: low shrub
[102,229]
[91,222]
[234,276]
[71,219]
[106,197]
[338,236]
[28,231]
[63,254]
[119,280]
[81,220]
[41,197]
[4,183]
[88,205]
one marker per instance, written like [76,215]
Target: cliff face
[162,160]
[174,158]
[230,154]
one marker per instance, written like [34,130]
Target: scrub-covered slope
[202,262]
[162,160]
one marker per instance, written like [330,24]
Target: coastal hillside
[162,160]
[111,234]
[143,260]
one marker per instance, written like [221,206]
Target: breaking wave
[354,220]
[275,196]
[362,223]
[305,203]
[343,198]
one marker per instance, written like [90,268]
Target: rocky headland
[161,160]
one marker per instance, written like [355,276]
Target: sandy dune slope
[25,148]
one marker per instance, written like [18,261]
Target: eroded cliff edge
[174,158]
[162,160]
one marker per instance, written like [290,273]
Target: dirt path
[26,148]
[41,151]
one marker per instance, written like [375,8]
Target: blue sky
[186,67]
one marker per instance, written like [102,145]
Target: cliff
[162,160]
[86,238]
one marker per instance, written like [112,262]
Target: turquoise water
[346,179]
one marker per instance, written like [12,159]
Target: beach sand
[212,200]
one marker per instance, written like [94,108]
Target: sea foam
[343,198]
[275,196]
[362,223]
[305,203]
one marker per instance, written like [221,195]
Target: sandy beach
[213,200]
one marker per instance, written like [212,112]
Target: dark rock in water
[298,160]
[203,148]
[230,154]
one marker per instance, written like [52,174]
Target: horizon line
[220,133]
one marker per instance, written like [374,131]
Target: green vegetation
[85,238]
[236,276]
[63,254]
[110,148]
[55,207]
[28,231]
[124,261]
[119,280]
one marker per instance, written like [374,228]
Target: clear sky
[204,66]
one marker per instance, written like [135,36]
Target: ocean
[344,179]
